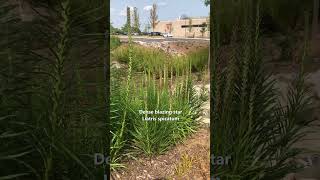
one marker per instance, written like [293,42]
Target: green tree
[147,27]
[190,25]
[154,16]
[203,29]
[127,25]
[114,30]
[207,2]
[136,21]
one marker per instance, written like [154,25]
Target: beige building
[188,27]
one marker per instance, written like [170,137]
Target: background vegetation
[131,134]
[156,60]
[152,80]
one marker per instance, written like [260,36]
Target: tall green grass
[151,137]
[114,42]
[248,122]
[156,60]
[51,99]
[153,81]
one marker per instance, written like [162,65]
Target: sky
[167,10]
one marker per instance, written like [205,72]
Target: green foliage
[207,2]
[136,21]
[114,30]
[151,137]
[51,73]
[156,89]
[248,122]
[154,16]
[93,20]
[124,28]
[156,60]
[190,25]
[203,29]
[114,42]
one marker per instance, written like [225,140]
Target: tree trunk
[315,21]
[209,59]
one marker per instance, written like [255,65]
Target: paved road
[161,39]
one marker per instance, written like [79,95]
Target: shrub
[114,42]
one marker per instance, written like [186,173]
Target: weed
[185,164]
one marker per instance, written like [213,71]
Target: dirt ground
[186,161]
[183,47]
[176,47]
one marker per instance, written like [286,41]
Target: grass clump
[152,137]
[152,83]
[114,42]
[156,60]
[51,96]
[248,123]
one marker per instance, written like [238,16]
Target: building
[186,27]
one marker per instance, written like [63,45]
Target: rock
[205,120]
[290,177]
[272,51]
[206,109]
[312,168]
[118,176]
[116,65]
[164,45]
[314,79]
[197,89]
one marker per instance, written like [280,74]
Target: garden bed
[148,87]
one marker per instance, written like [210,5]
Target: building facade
[187,27]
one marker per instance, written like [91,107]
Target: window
[195,25]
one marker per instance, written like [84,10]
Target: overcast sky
[167,10]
